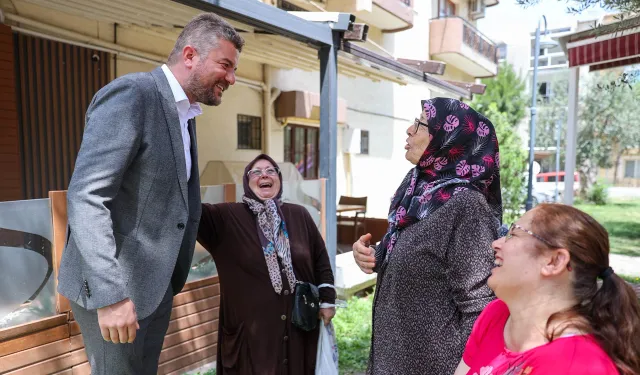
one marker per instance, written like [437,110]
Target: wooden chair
[358,220]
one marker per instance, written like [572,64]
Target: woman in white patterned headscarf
[261,247]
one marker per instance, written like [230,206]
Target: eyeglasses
[516,226]
[257,172]
[417,124]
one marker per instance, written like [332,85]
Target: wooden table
[348,208]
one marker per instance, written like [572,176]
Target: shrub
[598,194]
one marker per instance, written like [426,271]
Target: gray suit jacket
[133,216]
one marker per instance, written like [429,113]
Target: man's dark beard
[199,90]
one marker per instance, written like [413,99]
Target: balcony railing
[479,42]
[453,37]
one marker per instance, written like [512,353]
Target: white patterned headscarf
[272,230]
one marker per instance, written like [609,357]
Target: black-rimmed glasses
[417,123]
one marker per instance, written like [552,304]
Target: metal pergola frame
[325,32]
[325,36]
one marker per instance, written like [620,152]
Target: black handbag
[306,306]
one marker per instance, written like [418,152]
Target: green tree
[504,103]
[513,163]
[628,136]
[506,90]
[552,111]
[607,126]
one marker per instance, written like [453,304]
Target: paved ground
[624,192]
[625,265]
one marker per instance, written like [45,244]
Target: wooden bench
[53,345]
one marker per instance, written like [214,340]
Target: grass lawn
[621,218]
[353,333]
[631,279]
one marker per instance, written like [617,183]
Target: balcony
[458,43]
[387,15]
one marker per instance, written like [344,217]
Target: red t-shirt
[486,353]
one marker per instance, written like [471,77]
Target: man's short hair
[203,33]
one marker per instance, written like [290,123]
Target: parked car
[541,196]
[546,182]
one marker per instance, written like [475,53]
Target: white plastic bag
[327,356]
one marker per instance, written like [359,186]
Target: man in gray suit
[134,199]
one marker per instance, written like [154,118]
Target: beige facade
[379,102]
[626,172]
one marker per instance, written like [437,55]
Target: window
[502,51]
[446,8]
[544,90]
[301,149]
[632,169]
[364,142]
[556,49]
[249,132]
[476,9]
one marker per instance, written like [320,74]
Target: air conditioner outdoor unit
[351,141]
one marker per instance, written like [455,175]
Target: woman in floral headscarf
[434,260]
[261,248]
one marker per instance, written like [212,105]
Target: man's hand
[327,314]
[118,322]
[363,254]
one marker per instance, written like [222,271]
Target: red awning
[604,50]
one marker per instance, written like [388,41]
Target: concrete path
[625,265]
[624,192]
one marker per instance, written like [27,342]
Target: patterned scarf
[462,154]
[272,230]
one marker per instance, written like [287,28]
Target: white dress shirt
[186,111]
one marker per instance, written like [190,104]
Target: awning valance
[603,51]
[605,47]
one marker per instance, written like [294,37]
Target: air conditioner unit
[351,141]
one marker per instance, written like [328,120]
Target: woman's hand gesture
[363,254]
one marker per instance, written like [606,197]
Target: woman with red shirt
[551,316]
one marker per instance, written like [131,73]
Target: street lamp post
[534,91]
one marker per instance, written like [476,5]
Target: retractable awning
[605,47]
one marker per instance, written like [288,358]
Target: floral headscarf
[462,154]
[272,229]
